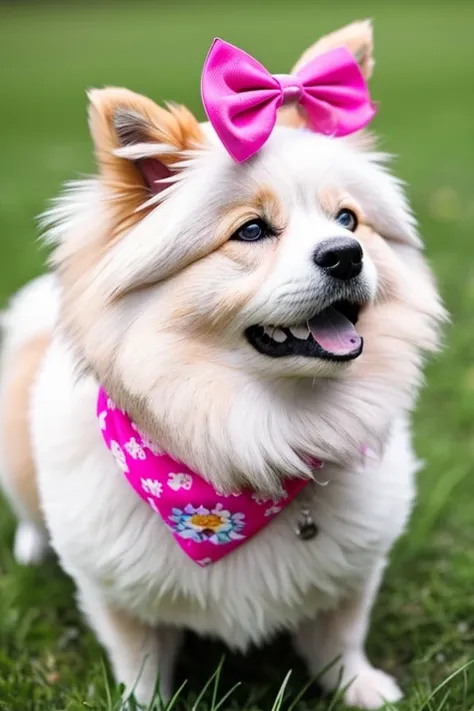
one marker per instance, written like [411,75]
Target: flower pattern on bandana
[178,480]
[216,525]
[151,486]
[101,417]
[134,449]
[118,455]
[111,404]
[205,523]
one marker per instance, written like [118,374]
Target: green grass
[423,629]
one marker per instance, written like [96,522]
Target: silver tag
[306,528]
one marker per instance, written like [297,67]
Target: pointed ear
[137,142]
[357,37]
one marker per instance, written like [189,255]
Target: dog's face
[181,266]
[280,258]
[281,290]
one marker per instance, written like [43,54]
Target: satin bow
[241,97]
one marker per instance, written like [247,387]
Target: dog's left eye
[252,231]
[348,219]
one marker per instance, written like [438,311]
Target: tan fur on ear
[357,37]
[119,118]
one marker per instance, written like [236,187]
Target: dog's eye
[252,231]
[348,219]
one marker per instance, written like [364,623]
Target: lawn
[423,628]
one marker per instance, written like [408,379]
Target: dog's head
[189,279]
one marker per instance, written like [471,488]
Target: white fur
[235,413]
[270,584]
[32,311]
[31,543]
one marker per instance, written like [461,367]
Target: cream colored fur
[154,304]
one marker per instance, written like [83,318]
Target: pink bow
[241,97]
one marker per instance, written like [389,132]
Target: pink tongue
[334,332]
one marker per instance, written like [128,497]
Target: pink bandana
[206,525]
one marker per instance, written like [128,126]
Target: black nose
[341,257]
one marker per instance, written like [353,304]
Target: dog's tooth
[300,332]
[279,336]
[268,330]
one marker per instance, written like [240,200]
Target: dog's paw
[141,697]
[31,544]
[371,689]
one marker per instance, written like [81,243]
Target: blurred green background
[423,627]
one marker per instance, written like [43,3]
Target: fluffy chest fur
[109,539]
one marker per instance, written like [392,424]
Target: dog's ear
[137,142]
[357,37]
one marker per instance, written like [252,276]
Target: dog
[263,323]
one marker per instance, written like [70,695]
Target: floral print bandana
[206,525]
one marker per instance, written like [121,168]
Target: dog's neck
[243,431]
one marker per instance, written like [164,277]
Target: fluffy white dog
[250,319]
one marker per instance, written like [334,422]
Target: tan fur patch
[330,200]
[255,259]
[264,204]
[18,458]
[333,200]
[250,259]
[174,126]
[267,203]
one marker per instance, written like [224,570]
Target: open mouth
[328,335]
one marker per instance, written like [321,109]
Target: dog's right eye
[252,231]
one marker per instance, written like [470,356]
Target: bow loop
[241,97]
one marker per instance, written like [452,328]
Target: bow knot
[291,88]
[241,97]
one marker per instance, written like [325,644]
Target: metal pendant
[306,528]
